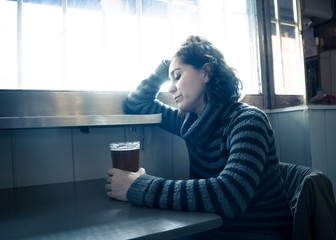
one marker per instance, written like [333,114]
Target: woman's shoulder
[244,109]
[244,115]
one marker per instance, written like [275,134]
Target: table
[81,210]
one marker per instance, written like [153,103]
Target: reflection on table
[81,210]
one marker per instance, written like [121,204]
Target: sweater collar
[196,128]
[199,129]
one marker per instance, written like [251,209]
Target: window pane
[122,52]
[83,4]
[287,31]
[156,44]
[241,24]
[154,9]
[112,44]
[286,46]
[286,13]
[8,44]
[272,10]
[292,82]
[237,20]
[41,46]
[84,50]
[277,56]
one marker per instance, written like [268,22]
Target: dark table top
[81,210]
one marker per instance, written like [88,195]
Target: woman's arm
[230,192]
[143,100]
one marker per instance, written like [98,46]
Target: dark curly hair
[224,86]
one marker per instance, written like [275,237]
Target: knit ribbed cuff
[162,71]
[136,192]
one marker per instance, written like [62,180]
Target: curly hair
[224,86]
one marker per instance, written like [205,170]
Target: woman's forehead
[175,62]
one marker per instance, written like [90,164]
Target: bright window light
[287,48]
[111,45]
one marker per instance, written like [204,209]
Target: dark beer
[125,155]
[126,159]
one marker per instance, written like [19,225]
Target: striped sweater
[234,170]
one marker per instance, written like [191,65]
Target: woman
[234,170]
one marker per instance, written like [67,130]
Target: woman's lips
[177,98]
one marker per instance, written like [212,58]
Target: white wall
[307,135]
[292,134]
[322,128]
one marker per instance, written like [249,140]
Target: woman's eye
[177,77]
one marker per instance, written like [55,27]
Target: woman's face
[187,86]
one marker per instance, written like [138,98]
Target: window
[288,67]
[110,45]
[113,44]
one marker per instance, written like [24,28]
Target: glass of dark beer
[125,155]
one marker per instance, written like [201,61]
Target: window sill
[301,108]
[48,109]
[78,121]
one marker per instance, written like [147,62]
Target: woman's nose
[172,89]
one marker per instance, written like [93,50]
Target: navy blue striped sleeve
[143,101]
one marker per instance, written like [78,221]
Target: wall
[322,128]
[292,134]
[54,155]
[307,135]
[304,135]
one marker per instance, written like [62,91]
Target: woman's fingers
[109,179]
[110,171]
[108,187]
[119,181]
[141,171]
[109,194]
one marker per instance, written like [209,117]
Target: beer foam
[122,146]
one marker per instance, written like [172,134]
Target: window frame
[269,99]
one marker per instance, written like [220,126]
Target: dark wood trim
[266,55]
[269,53]
[282,101]
[262,99]
[254,100]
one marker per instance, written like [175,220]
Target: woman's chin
[180,107]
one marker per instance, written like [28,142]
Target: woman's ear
[207,68]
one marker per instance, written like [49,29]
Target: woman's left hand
[119,181]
